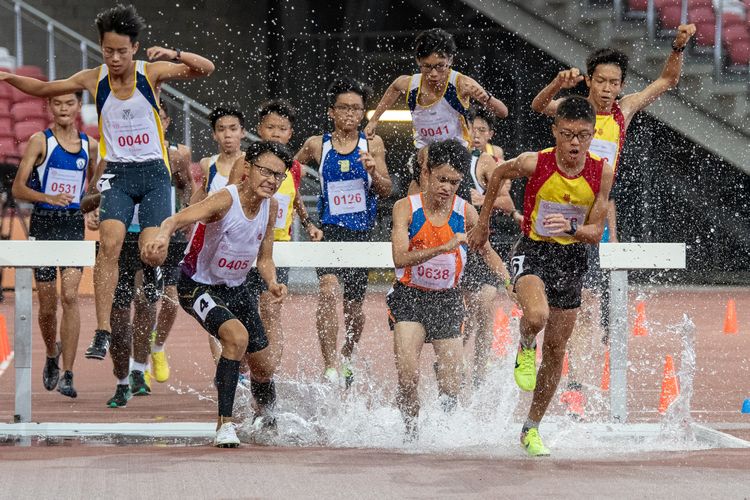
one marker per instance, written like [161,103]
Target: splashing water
[678,421]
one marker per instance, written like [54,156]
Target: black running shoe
[51,373]
[99,345]
[138,385]
[120,399]
[66,385]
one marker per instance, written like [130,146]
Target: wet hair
[576,108]
[449,152]
[479,112]
[278,106]
[259,148]
[222,111]
[120,19]
[607,56]
[414,167]
[345,85]
[163,107]
[434,41]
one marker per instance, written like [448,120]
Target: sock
[263,392]
[227,374]
[574,386]
[141,367]
[525,346]
[156,347]
[123,381]
[530,424]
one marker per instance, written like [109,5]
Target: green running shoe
[121,397]
[525,371]
[532,443]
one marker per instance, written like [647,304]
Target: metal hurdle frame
[619,258]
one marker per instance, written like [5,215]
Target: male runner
[353,174]
[131,141]
[438,97]
[606,70]
[565,200]
[55,168]
[429,252]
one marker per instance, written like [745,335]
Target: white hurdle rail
[23,255]
[619,258]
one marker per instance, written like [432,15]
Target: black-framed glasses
[346,108]
[582,136]
[439,67]
[267,172]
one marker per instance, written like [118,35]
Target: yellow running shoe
[160,366]
[147,378]
[532,443]
[525,371]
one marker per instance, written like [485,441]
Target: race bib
[347,197]
[283,211]
[570,212]
[203,305]
[604,149]
[133,133]
[231,263]
[434,127]
[61,181]
[438,273]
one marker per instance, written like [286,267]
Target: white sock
[156,347]
[141,367]
[123,381]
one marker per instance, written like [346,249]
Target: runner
[235,226]
[353,174]
[429,252]
[566,202]
[606,70]
[438,97]
[131,141]
[53,172]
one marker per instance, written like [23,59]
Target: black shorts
[352,280]
[129,264]
[477,274]
[560,267]
[256,285]
[441,313]
[123,185]
[55,225]
[171,267]
[214,305]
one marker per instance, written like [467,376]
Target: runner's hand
[476,92]
[156,249]
[556,224]
[314,232]
[684,34]
[370,129]
[458,239]
[92,220]
[367,161]
[160,54]
[569,78]
[476,199]
[478,236]
[278,292]
[60,200]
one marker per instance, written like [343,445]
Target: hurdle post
[24,255]
[619,258]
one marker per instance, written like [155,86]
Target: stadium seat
[7,146]
[24,130]
[19,96]
[29,109]
[731,18]
[638,5]
[21,148]
[31,71]
[705,34]
[660,4]
[734,33]
[4,107]
[669,16]
[701,14]
[739,53]
[91,131]
[6,123]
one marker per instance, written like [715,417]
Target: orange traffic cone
[639,328]
[605,372]
[516,312]
[669,388]
[501,333]
[4,342]
[730,318]
[566,367]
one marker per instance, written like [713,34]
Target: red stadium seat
[734,33]
[660,4]
[6,70]
[701,14]
[4,107]
[639,5]
[705,34]
[6,91]
[91,131]
[670,17]
[31,71]
[730,19]
[29,109]
[21,148]
[19,96]
[739,53]
[7,146]
[24,130]
[6,123]
[700,3]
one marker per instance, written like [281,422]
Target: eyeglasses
[345,108]
[439,67]
[267,172]
[582,136]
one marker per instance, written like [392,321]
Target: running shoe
[347,374]
[51,373]
[147,378]
[99,345]
[160,366]
[66,385]
[525,371]
[138,384]
[121,397]
[331,376]
[576,402]
[265,420]
[532,443]
[226,436]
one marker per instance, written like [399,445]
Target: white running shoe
[226,436]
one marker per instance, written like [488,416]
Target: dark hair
[345,85]
[576,108]
[414,167]
[482,113]
[278,106]
[163,107]
[449,152]
[607,56]
[121,19]
[257,149]
[222,111]
[434,41]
